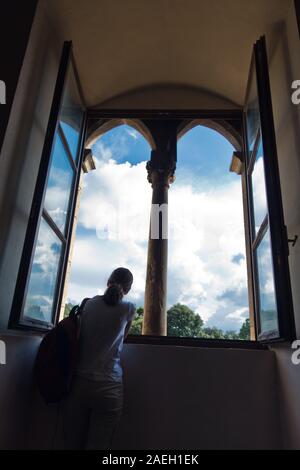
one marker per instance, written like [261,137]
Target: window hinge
[293,241]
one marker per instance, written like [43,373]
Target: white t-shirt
[101,339]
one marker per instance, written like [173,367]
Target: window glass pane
[259,189]
[268,321]
[59,185]
[42,283]
[71,113]
[253,117]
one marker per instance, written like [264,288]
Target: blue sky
[206,267]
[203,158]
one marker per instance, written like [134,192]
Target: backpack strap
[78,315]
[78,309]
[82,305]
[73,311]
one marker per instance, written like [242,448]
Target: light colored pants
[91,414]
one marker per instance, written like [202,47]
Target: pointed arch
[221,126]
[101,128]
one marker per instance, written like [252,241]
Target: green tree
[213,332]
[245,330]
[136,326]
[183,322]
[231,334]
[68,308]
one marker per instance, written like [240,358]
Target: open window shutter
[42,270]
[268,235]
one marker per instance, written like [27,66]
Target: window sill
[194,342]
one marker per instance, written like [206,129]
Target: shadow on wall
[193,398]
[26,421]
[175,398]
[168,96]
[16,391]
[284,69]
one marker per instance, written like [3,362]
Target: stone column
[155,317]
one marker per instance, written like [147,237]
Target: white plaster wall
[194,398]
[168,97]
[284,57]
[22,149]
[17,391]
[175,398]
[20,157]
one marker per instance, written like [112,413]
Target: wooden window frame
[17,318]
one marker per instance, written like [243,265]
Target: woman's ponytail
[113,294]
[118,284]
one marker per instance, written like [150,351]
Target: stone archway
[103,126]
[222,126]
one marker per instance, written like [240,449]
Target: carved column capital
[162,175]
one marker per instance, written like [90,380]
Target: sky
[206,264]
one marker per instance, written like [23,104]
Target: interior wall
[168,97]
[12,57]
[22,149]
[175,398]
[17,404]
[20,157]
[205,44]
[284,57]
[194,398]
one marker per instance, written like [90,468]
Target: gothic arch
[103,126]
[221,126]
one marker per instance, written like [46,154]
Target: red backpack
[57,357]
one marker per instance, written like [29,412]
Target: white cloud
[211,226]
[206,232]
[57,195]
[259,192]
[134,134]
[239,314]
[117,201]
[101,153]
[93,262]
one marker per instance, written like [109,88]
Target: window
[47,239]
[112,224]
[268,241]
[40,285]
[207,270]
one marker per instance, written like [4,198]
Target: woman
[94,405]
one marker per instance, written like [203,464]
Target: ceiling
[123,45]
